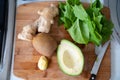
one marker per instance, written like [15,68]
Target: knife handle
[92,77]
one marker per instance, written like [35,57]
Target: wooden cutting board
[26,57]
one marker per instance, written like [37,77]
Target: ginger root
[27,33]
[46,18]
[42,24]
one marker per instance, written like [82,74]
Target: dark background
[3,23]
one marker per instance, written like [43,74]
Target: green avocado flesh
[70,58]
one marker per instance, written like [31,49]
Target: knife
[100,51]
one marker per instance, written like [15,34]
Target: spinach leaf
[96,5]
[67,22]
[79,32]
[61,13]
[97,20]
[73,2]
[68,13]
[80,12]
[107,29]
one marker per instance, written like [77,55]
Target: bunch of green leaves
[85,25]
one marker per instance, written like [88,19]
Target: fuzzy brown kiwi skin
[44,44]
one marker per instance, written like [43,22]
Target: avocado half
[70,58]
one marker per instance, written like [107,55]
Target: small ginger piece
[27,33]
[43,63]
[46,18]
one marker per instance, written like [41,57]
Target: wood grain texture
[26,57]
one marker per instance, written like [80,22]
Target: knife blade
[101,52]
